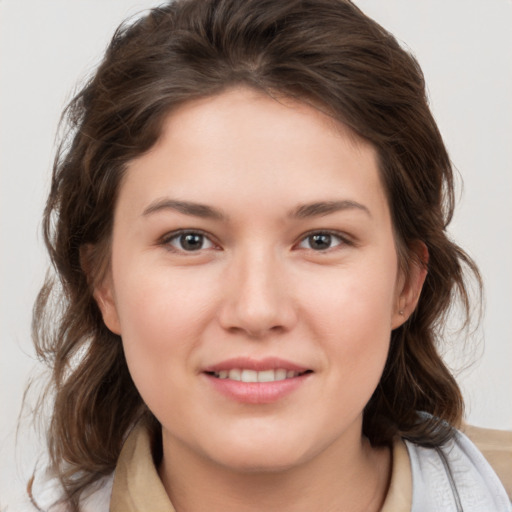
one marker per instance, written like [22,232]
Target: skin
[258,287]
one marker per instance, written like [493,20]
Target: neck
[349,477]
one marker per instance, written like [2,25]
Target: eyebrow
[315,209]
[321,208]
[185,207]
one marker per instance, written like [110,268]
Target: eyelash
[167,240]
[343,240]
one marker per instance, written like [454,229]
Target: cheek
[162,317]
[352,315]
[352,301]
[156,304]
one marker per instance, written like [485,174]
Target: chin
[251,463]
[260,456]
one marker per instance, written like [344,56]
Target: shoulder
[496,447]
[455,477]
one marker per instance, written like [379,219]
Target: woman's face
[254,280]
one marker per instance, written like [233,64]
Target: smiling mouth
[246,375]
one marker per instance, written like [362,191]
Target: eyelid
[166,239]
[345,240]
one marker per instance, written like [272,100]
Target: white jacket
[454,478]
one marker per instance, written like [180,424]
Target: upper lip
[246,363]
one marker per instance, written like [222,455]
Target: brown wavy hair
[323,52]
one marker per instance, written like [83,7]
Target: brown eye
[320,241]
[190,242]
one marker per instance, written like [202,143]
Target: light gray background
[465,49]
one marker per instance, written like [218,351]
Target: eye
[321,241]
[188,241]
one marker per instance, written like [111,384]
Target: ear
[104,295]
[410,284]
[99,277]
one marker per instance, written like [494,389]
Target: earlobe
[409,290]
[102,286]
[104,297]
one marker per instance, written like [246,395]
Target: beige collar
[137,486]
[399,497]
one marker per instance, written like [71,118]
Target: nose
[258,300]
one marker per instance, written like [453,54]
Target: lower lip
[256,392]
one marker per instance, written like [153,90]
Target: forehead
[253,109]
[243,143]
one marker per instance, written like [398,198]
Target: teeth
[280,374]
[235,374]
[267,376]
[245,375]
[249,376]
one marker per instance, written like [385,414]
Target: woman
[248,228]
